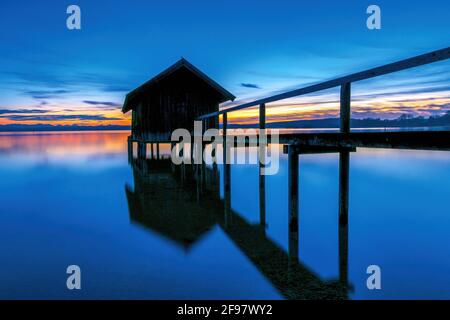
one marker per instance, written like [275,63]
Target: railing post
[130,149]
[224,124]
[345,107]
[225,140]
[142,150]
[262,116]
[205,126]
[157,150]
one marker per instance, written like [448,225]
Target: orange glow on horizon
[420,104]
[108,117]
[302,108]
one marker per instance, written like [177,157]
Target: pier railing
[343,82]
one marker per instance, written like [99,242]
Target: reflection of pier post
[200,177]
[197,173]
[215,183]
[262,186]
[262,139]
[226,172]
[203,176]
[293,203]
[227,192]
[344,162]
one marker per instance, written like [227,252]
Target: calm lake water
[72,198]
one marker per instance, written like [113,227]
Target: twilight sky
[52,75]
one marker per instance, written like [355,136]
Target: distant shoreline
[403,121]
[49,128]
[326,123]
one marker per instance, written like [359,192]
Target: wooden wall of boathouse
[174,102]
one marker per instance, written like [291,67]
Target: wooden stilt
[344,164]
[293,203]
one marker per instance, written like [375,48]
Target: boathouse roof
[181,64]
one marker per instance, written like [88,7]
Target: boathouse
[173,99]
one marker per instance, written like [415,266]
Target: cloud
[115,88]
[47,91]
[79,80]
[46,94]
[402,91]
[58,117]
[250,85]
[19,111]
[102,103]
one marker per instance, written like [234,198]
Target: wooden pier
[427,140]
[283,269]
[424,140]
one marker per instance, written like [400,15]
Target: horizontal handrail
[434,56]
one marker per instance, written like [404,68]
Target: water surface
[66,200]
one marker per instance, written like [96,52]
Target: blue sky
[252,48]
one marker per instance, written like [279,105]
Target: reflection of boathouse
[166,204]
[182,203]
